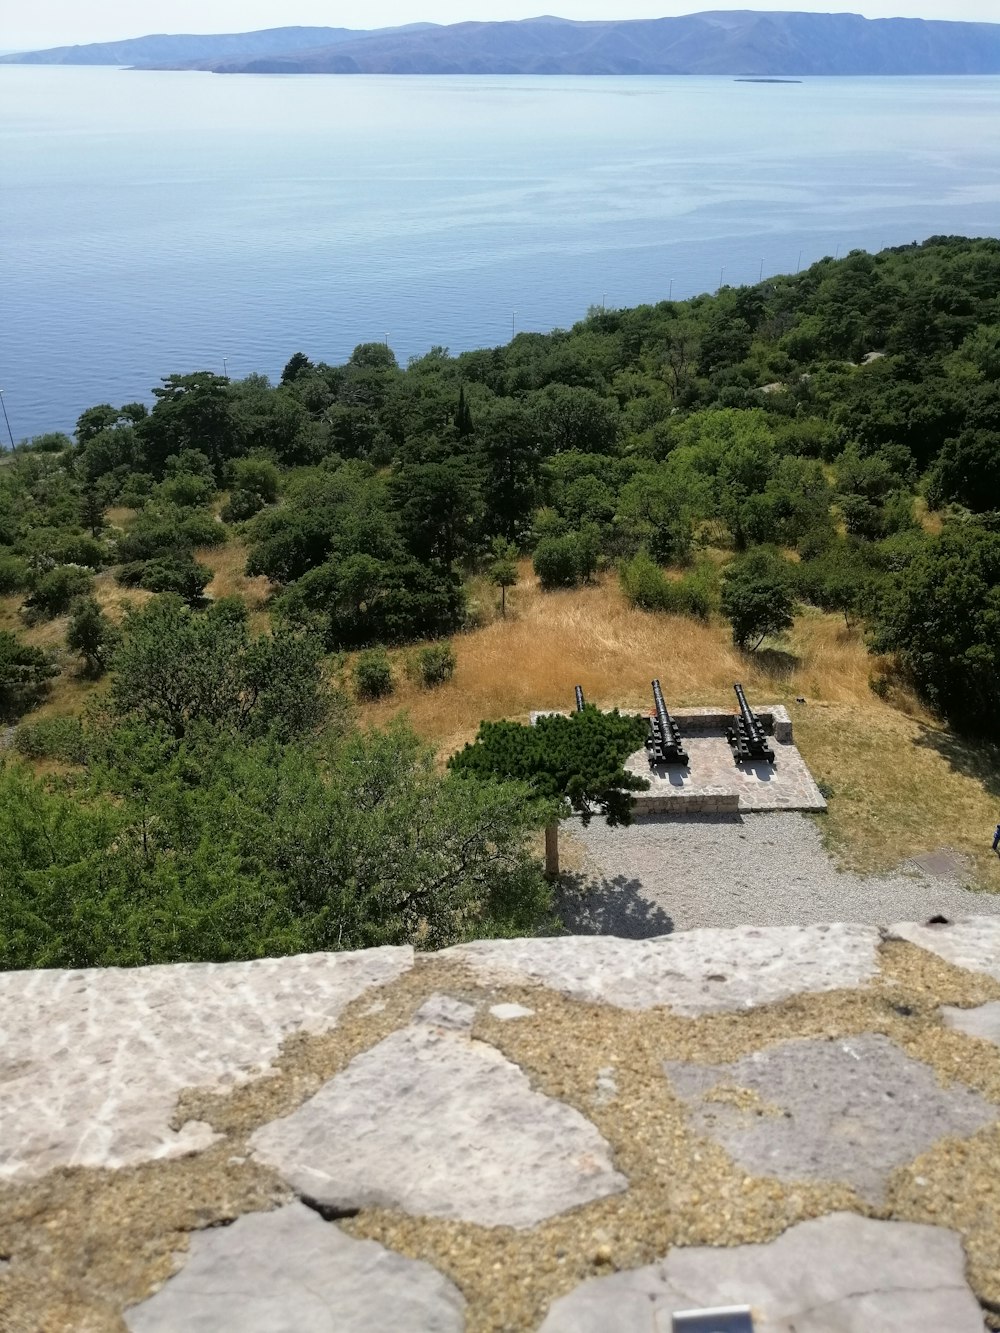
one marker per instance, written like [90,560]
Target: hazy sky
[37,23]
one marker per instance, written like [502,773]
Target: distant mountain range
[743,43]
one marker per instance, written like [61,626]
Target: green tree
[298,364]
[757,598]
[571,763]
[941,614]
[561,562]
[24,673]
[179,670]
[967,471]
[53,593]
[503,569]
[91,634]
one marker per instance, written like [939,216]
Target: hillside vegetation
[240,631]
[741,42]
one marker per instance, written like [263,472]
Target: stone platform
[713,784]
[569,1135]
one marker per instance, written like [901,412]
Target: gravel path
[668,874]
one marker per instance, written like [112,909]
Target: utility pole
[513,318]
[722,273]
[798,265]
[761,278]
[7,419]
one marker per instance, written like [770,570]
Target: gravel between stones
[664,874]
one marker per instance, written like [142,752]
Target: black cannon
[746,736]
[579,699]
[664,739]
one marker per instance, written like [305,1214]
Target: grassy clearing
[230,579]
[900,784]
[68,692]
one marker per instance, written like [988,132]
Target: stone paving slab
[290,1272]
[695,972]
[983,1022]
[434,1123]
[91,1062]
[836,1274]
[973,942]
[851,1110]
[785,785]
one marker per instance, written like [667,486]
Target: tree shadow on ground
[775,662]
[978,760]
[597,905]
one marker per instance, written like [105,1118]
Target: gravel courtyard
[663,874]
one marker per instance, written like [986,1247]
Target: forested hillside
[826,440]
[734,42]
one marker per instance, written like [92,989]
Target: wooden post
[552,849]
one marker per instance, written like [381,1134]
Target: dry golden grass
[230,579]
[120,517]
[69,692]
[931,520]
[589,636]
[900,784]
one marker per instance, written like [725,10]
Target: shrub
[24,674]
[52,738]
[203,529]
[136,490]
[557,561]
[167,573]
[242,505]
[645,585]
[14,574]
[186,490]
[92,635]
[373,674]
[53,593]
[79,549]
[434,664]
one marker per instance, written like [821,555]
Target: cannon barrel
[579,699]
[746,736]
[749,717]
[744,707]
[662,716]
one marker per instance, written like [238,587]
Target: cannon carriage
[664,743]
[747,738]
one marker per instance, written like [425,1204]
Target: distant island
[745,43]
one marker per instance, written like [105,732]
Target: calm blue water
[159,222]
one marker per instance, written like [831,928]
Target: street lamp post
[7,419]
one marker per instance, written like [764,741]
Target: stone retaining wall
[687,803]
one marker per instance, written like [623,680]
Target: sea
[160,222]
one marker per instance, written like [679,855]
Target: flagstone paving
[290,1272]
[983,1022]
[515,1135]
[814,1109]
[839,1274]
[973,942]
[437,1124]
[91,1062]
